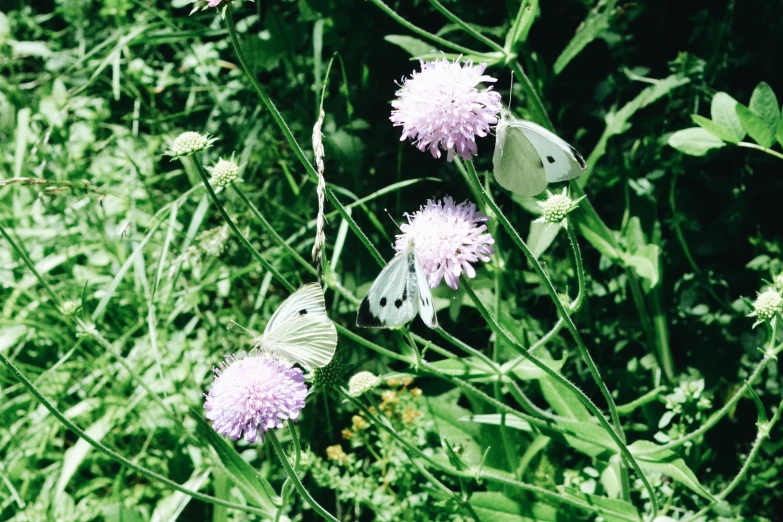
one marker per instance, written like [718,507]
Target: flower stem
[266,264]
[560,379]
[116,456]
[469,29]
[421,32]
[295,479]
[553,295]
[477,473]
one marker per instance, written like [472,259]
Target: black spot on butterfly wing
[550,159]
[365,318]
[383,302]
[398,303]
[303,311]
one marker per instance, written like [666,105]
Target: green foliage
[122,280]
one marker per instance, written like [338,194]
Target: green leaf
[757,128]
[694,141]
[723,113]
[713,128]
[780,132]
[612,509]
[563,401]
[644,261]
[495,506]
[527,371]
[764,104]
[255,488]
[584,436]
[541,236]
[409,44]
[667,463]
[447,415]
[596,23]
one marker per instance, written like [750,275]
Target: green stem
[557,377]
[466,27]
[762,435]
[650,396]
[295,479]
[555,299]
[715,417]
[580,269]
[272,232]
[230,222]
[421,32]
[116,456]
[538,108]
[474,473]
[761,148]
[289,136]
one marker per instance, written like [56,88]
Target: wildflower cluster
[188,143]
[686,406]
[224,173]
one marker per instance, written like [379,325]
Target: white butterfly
[300,330]
[399,292]
[528,157]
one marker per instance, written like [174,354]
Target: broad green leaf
[525,370]
[586,437]
[723,113]
[757,128]
[409,44]
[565,403]
[713,128]
[447,414]
[541,236]
[495,506]
[612,509]
[596,23]
[694,141]
[764,104]
[517,34]
[644,261]
[255,488]
[780,132]
[667,463]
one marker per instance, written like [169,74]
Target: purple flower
[213,3]
[442,106]
[254,393]
[448,239]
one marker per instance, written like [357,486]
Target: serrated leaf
[667,463]
[409,44]
[756,127]
[695,141]
[713,128]
[255,488]
[723,112]
[764,104]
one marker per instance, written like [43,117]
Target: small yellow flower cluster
[336,454]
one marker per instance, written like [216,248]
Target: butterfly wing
[392,298]
[307,340]
[426,307]
[517,165]
[306,301]
[561,161]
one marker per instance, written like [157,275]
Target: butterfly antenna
[511,91]
[392,219]
[242,328]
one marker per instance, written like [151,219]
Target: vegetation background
[137,278]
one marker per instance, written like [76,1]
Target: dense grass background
[140,279]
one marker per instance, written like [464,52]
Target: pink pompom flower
[449,238]
[441,107]
[252,394]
